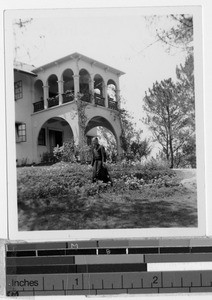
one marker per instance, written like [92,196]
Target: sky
[121,38]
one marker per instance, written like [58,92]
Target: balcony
[53,101]
[68,97]
[86,97]
[38,106]
[112,104]
[99,100]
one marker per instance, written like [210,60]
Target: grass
[61,197]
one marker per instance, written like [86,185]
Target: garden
[143,195]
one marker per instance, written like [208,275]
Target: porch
[66,98]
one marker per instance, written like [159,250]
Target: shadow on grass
[109,211]
[61,197]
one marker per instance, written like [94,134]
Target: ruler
[109,267]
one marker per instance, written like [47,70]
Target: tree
[186,158]
[140,148]
[185,76]
[173,125]
[132,144]
[177,34]
[19,28]
[166,117]
[128,130]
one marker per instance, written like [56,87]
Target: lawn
[62,197]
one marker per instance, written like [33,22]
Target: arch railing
[53,101]
[68,96]
[112,104]
[86,97]
[39,105]
[99,100]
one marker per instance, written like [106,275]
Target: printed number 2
[155,280]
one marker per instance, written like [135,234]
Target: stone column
[105,95]
[45,95]
[118,99]
[76,85]
[91,87]
[60,91]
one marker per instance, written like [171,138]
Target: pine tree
[166,117]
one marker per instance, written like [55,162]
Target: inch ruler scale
[109,267]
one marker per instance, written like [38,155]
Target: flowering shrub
[53,98]
[66,152]
[57,152]
[69,93]
[69,152]
[63,179]
[84,153]
[134,183]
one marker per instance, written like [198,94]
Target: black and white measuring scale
[102,267]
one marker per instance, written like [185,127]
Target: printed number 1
[77,281]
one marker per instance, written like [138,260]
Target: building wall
[23,110]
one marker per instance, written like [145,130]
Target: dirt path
[187,178]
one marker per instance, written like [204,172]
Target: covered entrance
[55,139]
[54,132]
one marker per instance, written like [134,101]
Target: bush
[70,152]
[84,153]
[48,158]
[57,153]
[66,153]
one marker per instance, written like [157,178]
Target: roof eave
[77,55]
[25,72]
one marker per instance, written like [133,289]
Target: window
[20,132]
[42,137]
[18,90]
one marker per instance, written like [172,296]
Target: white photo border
[15,234]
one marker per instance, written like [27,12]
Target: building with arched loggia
[46,111]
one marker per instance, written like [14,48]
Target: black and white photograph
[105,120]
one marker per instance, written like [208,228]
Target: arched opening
[84,83]
[38,92]
[101,127]
[53,98]
[68,85]
[54,132]
[112,94]
[99,92]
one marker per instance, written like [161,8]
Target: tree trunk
[170,139]
[171,153]
[167,147]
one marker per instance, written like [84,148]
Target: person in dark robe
[100,171]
